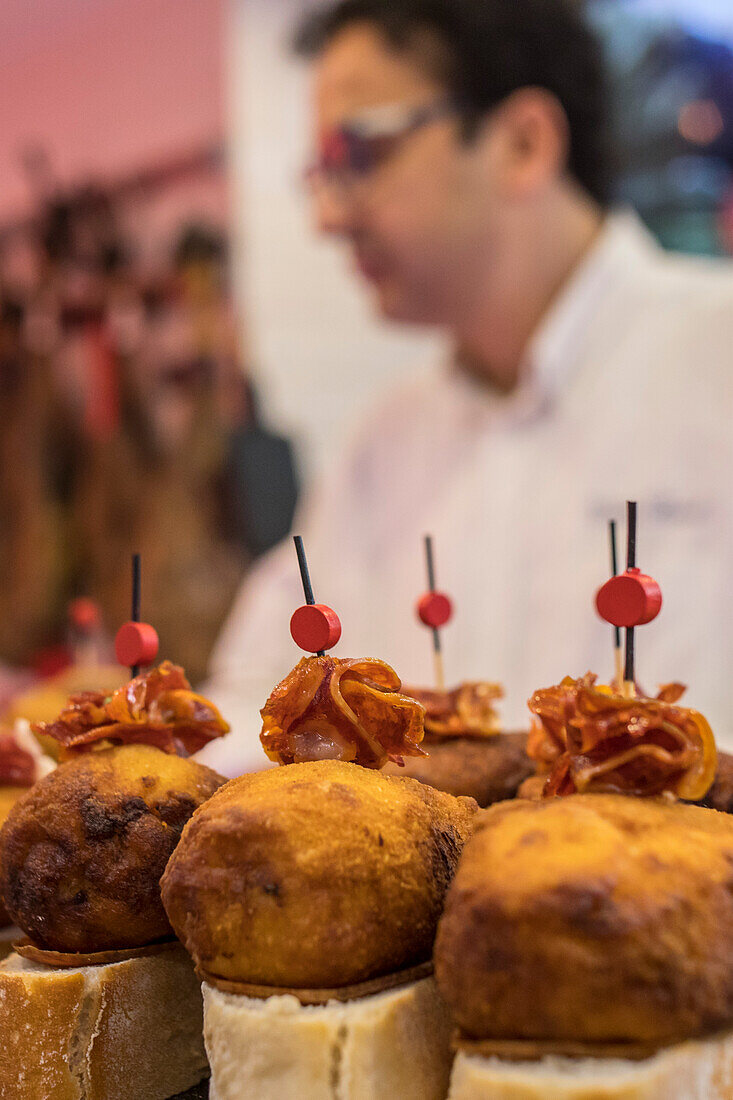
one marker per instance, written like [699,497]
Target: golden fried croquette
[315,875]
[8,797]
[83,851]
[720,795]
[593,918]
[488,769]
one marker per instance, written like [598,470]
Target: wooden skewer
[439,670]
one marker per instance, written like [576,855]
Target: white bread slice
[389,1046]
[695,1070]
[128,1030]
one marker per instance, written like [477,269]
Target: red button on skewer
[631,599]
[84,614]
[434,609]
[315,627]
[136,644]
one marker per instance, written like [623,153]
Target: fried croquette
[8,797]
[720,795]
[488,769]
[82,852]
[591,918]
[315,875]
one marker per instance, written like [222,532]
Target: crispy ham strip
[591,739]
[466,711]
[334,709]
[156,708]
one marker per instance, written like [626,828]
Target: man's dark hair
[487,49]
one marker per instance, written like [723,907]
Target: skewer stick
[135,669]
[437,650]
[136,643]
[618,664]
[629,689]
[305,577]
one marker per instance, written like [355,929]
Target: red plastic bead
[630,599]
[84,614]
[434,609]
[136,644]
[315,627]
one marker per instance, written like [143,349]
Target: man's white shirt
[626,393]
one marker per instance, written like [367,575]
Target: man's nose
[333,211]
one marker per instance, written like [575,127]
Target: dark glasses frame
[354,149]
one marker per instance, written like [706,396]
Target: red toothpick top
[314,627]
[434,609]
[84,614]
[630,599]
[136,644]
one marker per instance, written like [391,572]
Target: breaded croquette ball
[316,875]
[720,795]
[488,769]
[595,918]
[83,851]
[8,797]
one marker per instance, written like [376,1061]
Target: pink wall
[106,86]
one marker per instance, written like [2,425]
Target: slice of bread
[394,1044]
[129,1030]
[695,1070]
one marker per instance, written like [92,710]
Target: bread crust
[489,769]
[695,1070]
[591,918]
[83,851]
[394,1044]
[315,875]
[126,1031]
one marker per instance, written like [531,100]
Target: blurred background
[179,355]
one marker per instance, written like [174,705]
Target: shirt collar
[621,246]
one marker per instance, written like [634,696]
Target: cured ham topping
[589,738]
[466,711]
[333,709]
[156,708]
[17,766]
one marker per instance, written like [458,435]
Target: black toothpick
[305,576]
[617,629]
[630,564]
[430,563]
[437,652]
[630,534]
[135,669]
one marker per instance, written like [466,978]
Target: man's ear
[534,140]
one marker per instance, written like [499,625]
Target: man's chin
[395,305]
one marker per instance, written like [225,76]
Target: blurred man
[462,159]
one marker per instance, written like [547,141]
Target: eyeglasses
[351,152]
